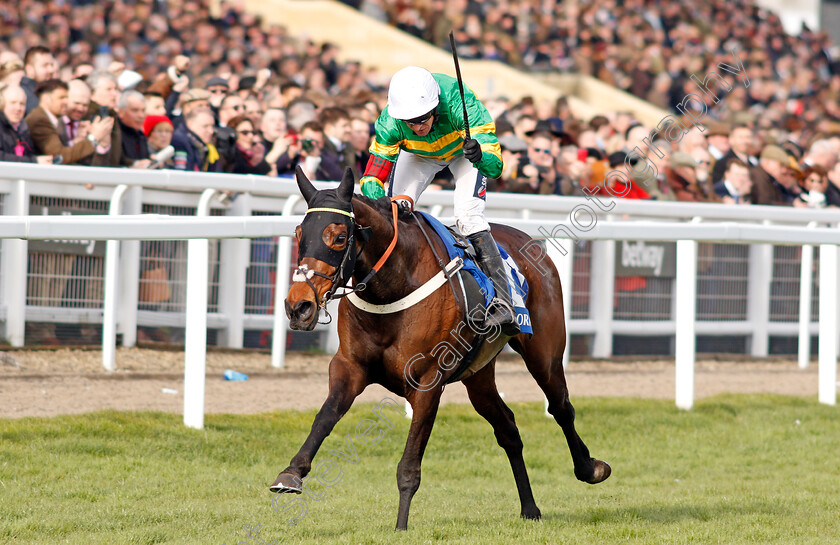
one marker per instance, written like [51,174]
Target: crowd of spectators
[647,47]
[156,84]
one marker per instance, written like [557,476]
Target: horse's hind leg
[346,382]
[484,396]
[545,363]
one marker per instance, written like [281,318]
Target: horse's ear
[306,188]
[345,190]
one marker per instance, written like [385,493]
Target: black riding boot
[501,311]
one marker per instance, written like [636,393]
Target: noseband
[346,263]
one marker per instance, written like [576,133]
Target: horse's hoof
[601,470]
[287,483]
[532,513]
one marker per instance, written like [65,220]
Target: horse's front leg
[347,381]
[425,406]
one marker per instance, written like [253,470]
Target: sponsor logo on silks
[523,319]
[481,187]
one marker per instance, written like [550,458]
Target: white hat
[412,93]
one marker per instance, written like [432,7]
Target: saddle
[473,287]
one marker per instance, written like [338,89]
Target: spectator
[131,108]
[307,152]
[48,125]
[718,139]
[814,183]
[692,140]
[78,125]
[289,92]
[39,65]
[218,88]
[104,96]
[15,143]
[191,100]
[253,110]
[155,103]
[300,112]
[789,179]
[767,187]
[535,172]
[512,149]
[740,142]
[273,127]
[523,125]
[249,152]
[682,178]
[274,136]
[703,174]
[11,72]
[360,139]
[193,143]
[232,106]
[821,153]
[736,184]
[573,174]
[336,123]
[158,130]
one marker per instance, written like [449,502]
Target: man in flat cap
[768,180]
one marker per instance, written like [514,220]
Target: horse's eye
[341,239]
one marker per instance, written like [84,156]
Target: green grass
[736,469]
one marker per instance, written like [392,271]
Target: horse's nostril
[303,310]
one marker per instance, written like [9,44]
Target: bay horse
[344,236]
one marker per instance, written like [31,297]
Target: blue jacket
[191,153]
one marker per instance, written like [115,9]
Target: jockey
[425,119]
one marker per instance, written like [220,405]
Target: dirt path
[66,381]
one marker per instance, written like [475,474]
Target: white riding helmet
[412,93]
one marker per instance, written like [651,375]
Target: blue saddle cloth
[517,284]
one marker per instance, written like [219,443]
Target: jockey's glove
[372,188]
[472,150]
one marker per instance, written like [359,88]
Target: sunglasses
[420,120]
[543,150]
[247,132]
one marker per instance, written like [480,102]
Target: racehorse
[388,256]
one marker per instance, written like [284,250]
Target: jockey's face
[421,126]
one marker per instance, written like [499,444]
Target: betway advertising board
[645,258]
[73,247]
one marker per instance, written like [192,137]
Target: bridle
[347,263]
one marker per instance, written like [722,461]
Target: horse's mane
[383,206]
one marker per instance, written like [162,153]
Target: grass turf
[736,469]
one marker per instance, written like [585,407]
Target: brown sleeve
[47,142]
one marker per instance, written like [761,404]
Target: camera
[307,144]
[103,112]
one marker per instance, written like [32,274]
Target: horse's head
[327,249]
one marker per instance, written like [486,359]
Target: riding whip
[460,83]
